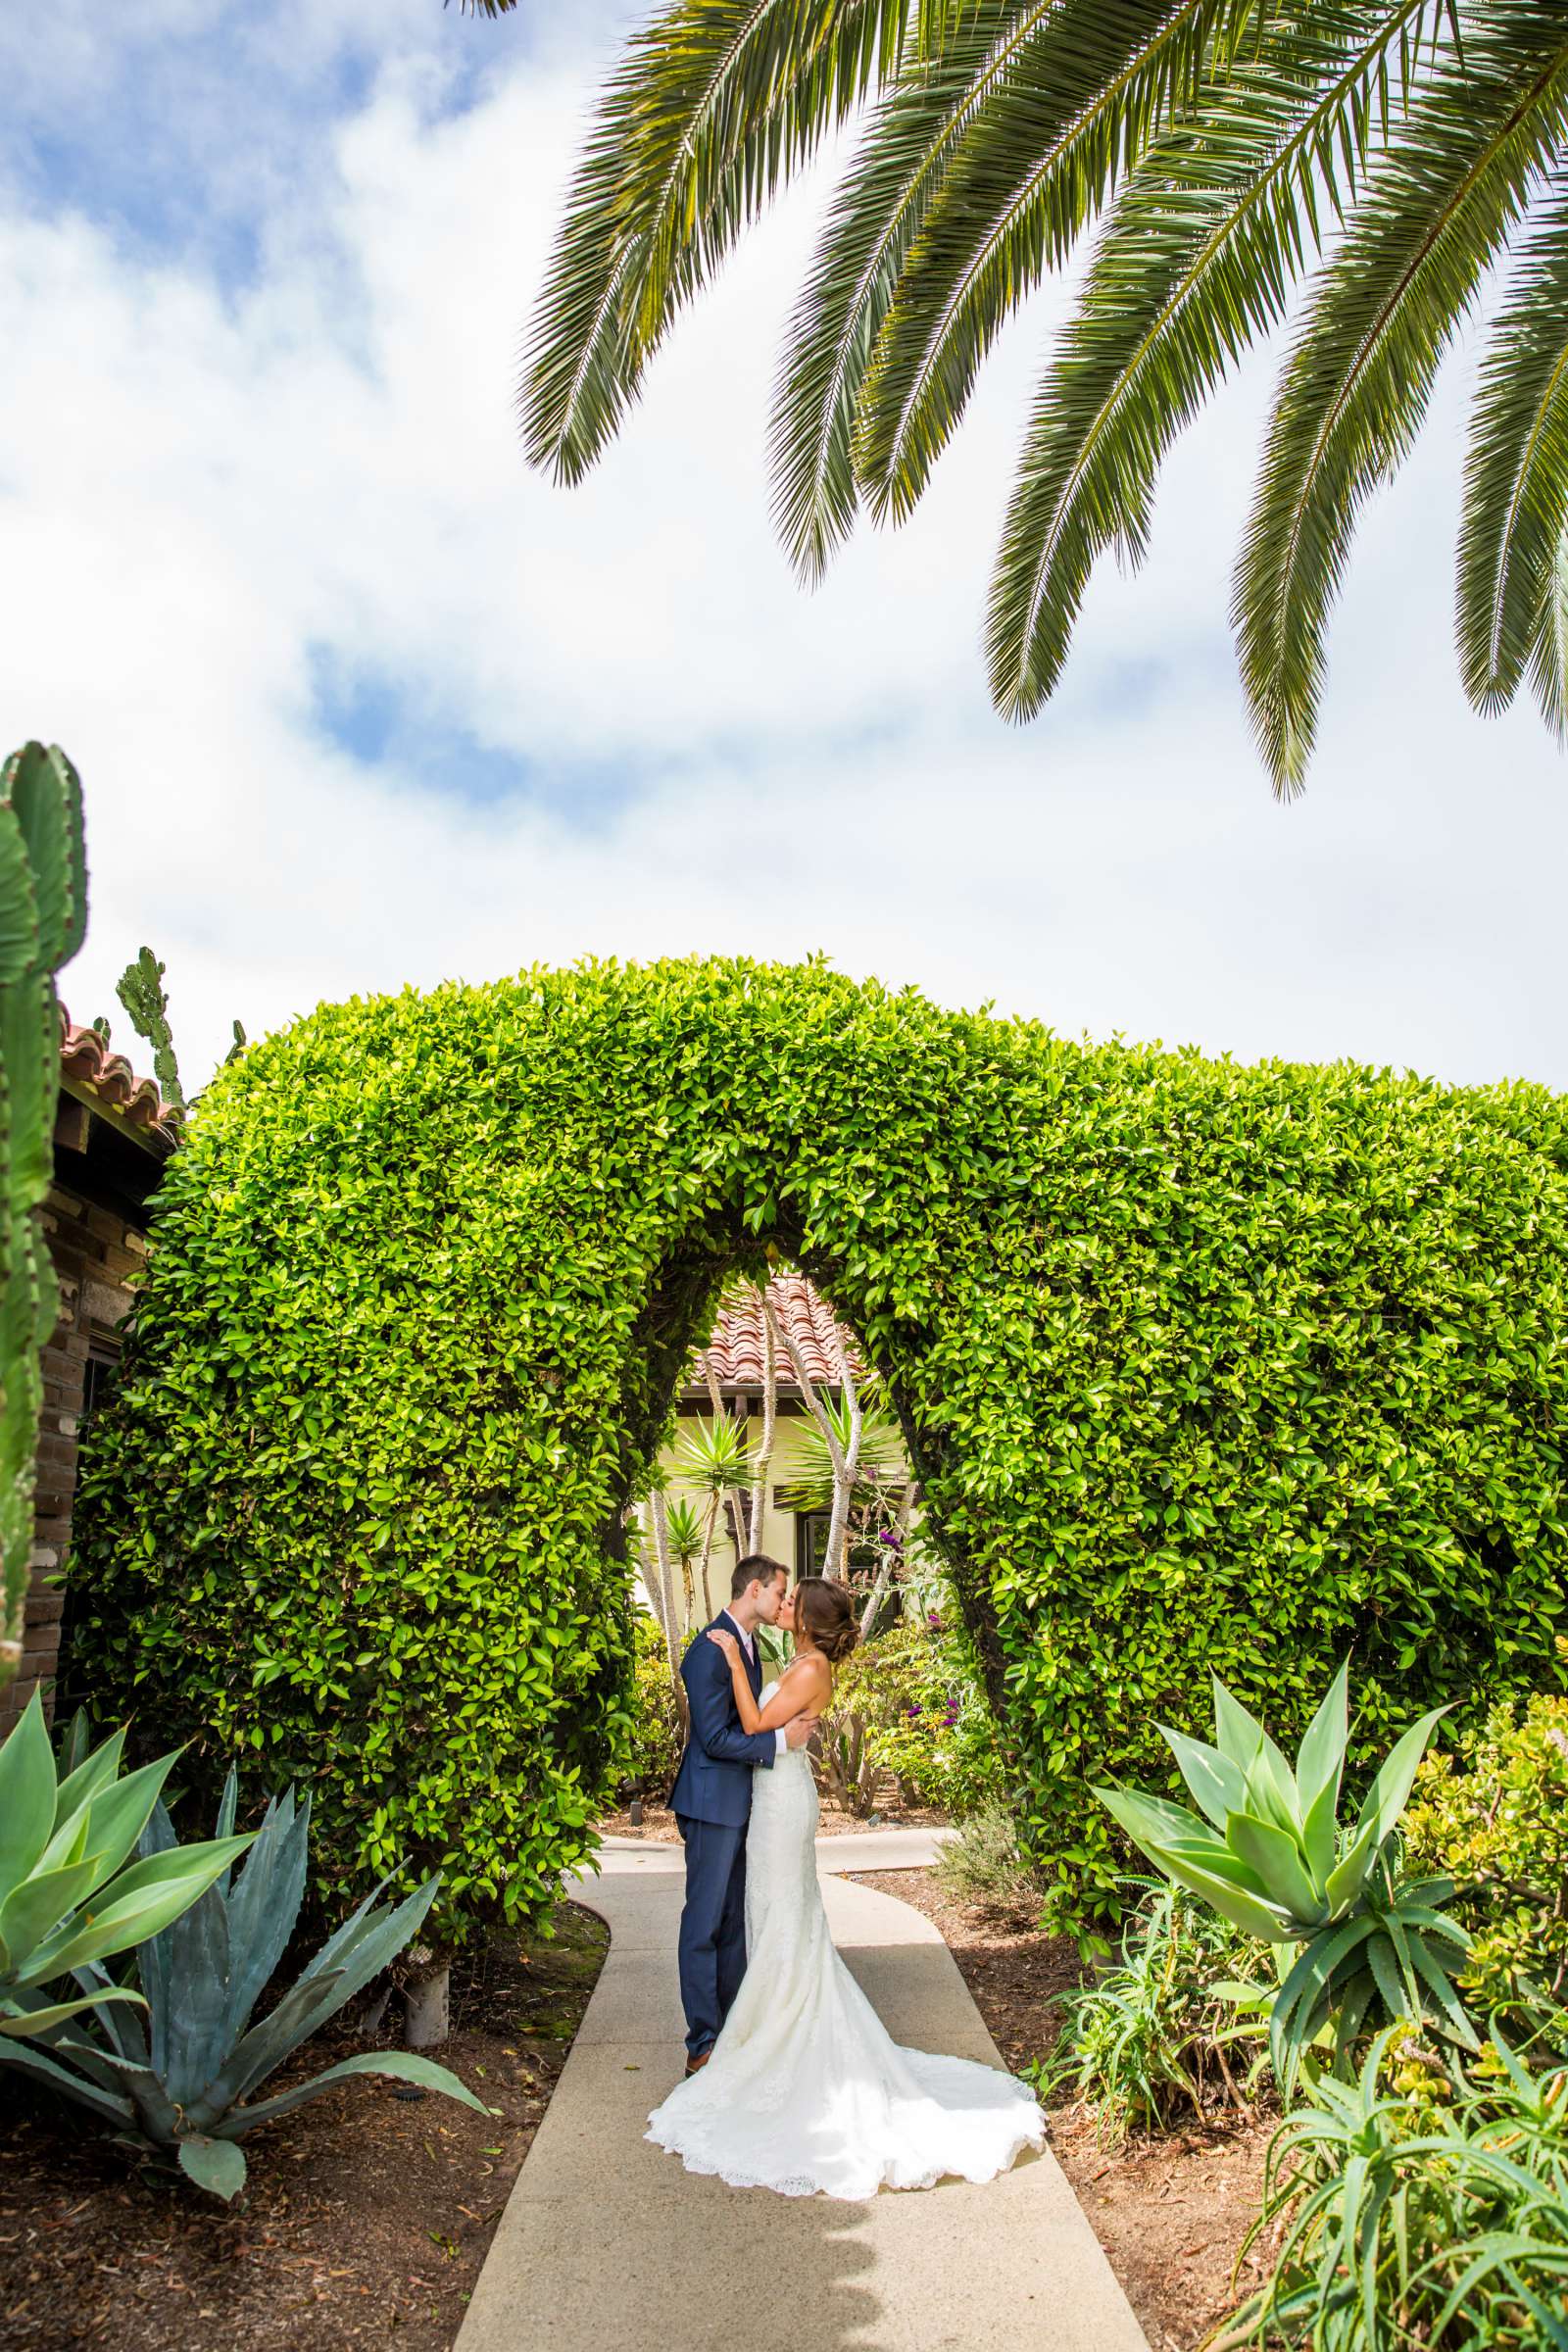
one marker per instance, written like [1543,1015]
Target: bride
[806,2091]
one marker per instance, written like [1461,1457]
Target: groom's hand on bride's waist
[799,1729]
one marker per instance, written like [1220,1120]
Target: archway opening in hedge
[1198,1366]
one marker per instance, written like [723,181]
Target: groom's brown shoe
[694,2065]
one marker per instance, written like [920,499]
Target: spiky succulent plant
[68,1899]
[1270,1856]
[183,2087]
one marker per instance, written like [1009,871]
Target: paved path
[608,2244]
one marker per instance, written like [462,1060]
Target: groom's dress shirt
[746,1642]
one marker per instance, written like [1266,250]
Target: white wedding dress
[806,2091]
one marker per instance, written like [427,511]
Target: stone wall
[97,1256]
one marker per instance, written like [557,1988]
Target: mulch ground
[366,2215]
[1170,2210]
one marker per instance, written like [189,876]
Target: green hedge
[1199,1366]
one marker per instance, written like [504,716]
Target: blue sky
[358,700]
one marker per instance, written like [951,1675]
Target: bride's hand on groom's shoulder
[726,1642]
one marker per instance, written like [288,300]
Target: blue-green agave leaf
[216,2165]
[1218,1784]
[1320,1758]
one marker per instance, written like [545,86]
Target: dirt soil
[366,2215]
[1170,2210]
[659,1823]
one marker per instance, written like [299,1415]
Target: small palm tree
[1398,150]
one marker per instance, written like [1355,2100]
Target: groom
[712,1801]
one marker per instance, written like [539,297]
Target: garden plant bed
[1171,2210]
[365,2217]
[658,1822]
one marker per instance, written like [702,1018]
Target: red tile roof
[735,1349]
[87,1060]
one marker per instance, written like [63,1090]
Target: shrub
[983,1865]
[1495,1818]
[925,1715]
[1147,2037]
[654,1739]
[1197,1365]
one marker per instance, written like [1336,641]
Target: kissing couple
[792,2081]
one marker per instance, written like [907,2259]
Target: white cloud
[204,486]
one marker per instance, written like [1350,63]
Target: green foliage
[1494,1818]
[1423,2213]
[654,1741]
[66,1902]
[1146,2039]
[984,1865]
[182,2086]
[1269,1857]
[43,920]
[141,992]
[926,1717]
[1406,155]
[1197,1365]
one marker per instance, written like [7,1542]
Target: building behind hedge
[113,1137]
[733,1362]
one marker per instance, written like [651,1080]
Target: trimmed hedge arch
[1198,1364]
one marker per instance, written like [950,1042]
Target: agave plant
[66,1903]
[1269,1855]
[182,2087]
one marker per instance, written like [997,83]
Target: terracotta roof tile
[735,1349]
[92,1064]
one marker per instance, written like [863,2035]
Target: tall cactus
[141,992]
[43,918]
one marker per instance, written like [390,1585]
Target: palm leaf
[715,104]
[1081,103]
[1516,474]
[1355,388]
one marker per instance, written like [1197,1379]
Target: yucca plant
[1269,1857]
[66,1902]
[1406,156]
[182,2087]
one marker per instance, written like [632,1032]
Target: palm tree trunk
[665,1604]
[838,1532]
[715,1505]
[763,1460]
[731,1502]
[843,1474]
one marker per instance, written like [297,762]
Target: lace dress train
[804,2090]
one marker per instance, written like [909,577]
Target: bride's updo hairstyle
[825,1611]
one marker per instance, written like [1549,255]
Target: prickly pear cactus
[44,918]
[141,992]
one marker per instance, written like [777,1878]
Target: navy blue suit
[712,1801]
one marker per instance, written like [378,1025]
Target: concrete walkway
[608,2244]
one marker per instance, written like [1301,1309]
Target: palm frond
[1355,386]
[877,213]
[1548,661]
[1080,104]
[1196,261]
[1516,475]
[716,105]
